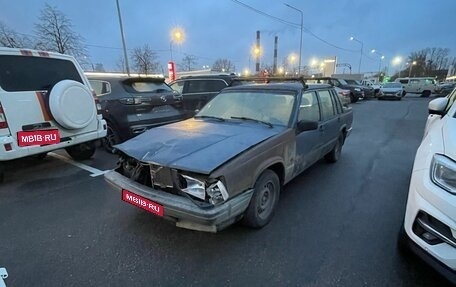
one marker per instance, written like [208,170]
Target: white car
[46,103]
[430,219]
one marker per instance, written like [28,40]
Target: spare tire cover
[72,104]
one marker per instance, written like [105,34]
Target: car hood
[449,137]
[196,145]
[391,90]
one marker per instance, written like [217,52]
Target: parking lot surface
[336,224]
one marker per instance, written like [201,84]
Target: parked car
[369,83]
[198,90]
[131,105]
[344,96]
[46,103]
[369,91]
[421,85]
[356,91]
[445,89]
[429,227]
[391,90]
[232,159]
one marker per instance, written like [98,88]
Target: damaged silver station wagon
[232,159]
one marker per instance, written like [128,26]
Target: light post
[300,42]
[292,59]
[177,36]
[410,69]
[381,59]
[123,38]
[397,61]
[361,55]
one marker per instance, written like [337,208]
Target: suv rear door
[26,82]
[197,92]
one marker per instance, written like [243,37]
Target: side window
[414,82]
[326,105]
[178,86]
[215,85]
[309,109]
[336,102]
[451,100]
[196,86]
[101,88]
[403,81]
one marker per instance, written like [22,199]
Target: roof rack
[301,80]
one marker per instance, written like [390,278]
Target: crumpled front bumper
[182,210]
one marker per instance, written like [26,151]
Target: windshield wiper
[209,117]
[252,119]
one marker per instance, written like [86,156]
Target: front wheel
[264,200]
[81,151]
[112,138]
[426,93]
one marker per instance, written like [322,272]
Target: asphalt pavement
[336,224]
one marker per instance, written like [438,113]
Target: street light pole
[300,43]
[410,69]
[361,56]
[123,39]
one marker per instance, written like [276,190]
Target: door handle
[322,128]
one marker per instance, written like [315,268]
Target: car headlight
[217,193]
[215,190]
[358,89]
[443,172]
[194,187]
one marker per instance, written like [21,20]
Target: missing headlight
[193,186]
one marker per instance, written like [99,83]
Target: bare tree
[188,62]
[145,60]
[55,33]
[223,65]
[11,39]
[120,65]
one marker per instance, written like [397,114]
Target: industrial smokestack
[274,65]
[257,65]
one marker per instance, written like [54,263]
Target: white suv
[430,219]
[46,103]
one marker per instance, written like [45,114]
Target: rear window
[24,73]
[148,87]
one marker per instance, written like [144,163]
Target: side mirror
[306,126]
[437,106]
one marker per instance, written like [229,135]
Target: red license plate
[142,202]
[42,137]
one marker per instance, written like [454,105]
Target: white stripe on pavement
[94,172]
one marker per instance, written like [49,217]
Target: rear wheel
[264,200]
[334,155]
[426,93]
[81,151]
[112,138]
[353,99]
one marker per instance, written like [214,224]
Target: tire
[264,200]
[112,138]
[334,155]
[404,93]
[81,151]
[72,105]
[2,172]
[353,99]
[426,93]
[402,239]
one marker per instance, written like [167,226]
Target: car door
[330,121]
[199,91]
[308,143]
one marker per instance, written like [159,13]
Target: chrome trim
[434,232]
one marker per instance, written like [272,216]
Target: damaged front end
[201,189]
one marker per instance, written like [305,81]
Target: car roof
[291,86]
[123,77]
[212,76]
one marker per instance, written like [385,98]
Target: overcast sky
[225,29]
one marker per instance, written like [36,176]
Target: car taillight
[130,101]
[3,122]
[97,102]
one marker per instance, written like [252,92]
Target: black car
[369,92]
[198,90]
[131,105]
[356,91]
